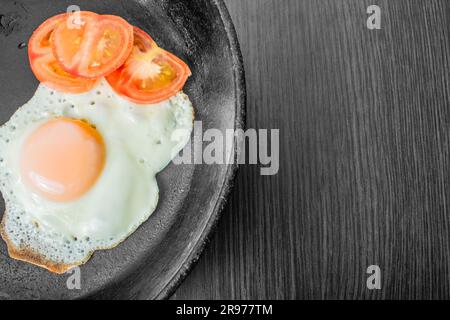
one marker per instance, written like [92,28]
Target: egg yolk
[62,159]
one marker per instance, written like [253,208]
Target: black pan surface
[155,259]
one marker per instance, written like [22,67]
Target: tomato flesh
[71,52]
[45,66]
[150,74]
[95,47]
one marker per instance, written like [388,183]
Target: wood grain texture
[364,176]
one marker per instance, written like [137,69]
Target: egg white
[140,142]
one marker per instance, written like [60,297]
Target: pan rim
[240,123]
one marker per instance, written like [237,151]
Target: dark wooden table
[364,167]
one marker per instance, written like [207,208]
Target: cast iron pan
[154,260]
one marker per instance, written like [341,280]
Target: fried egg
[78,172]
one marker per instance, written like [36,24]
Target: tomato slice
[44,65]
[91,45]
[150,74]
